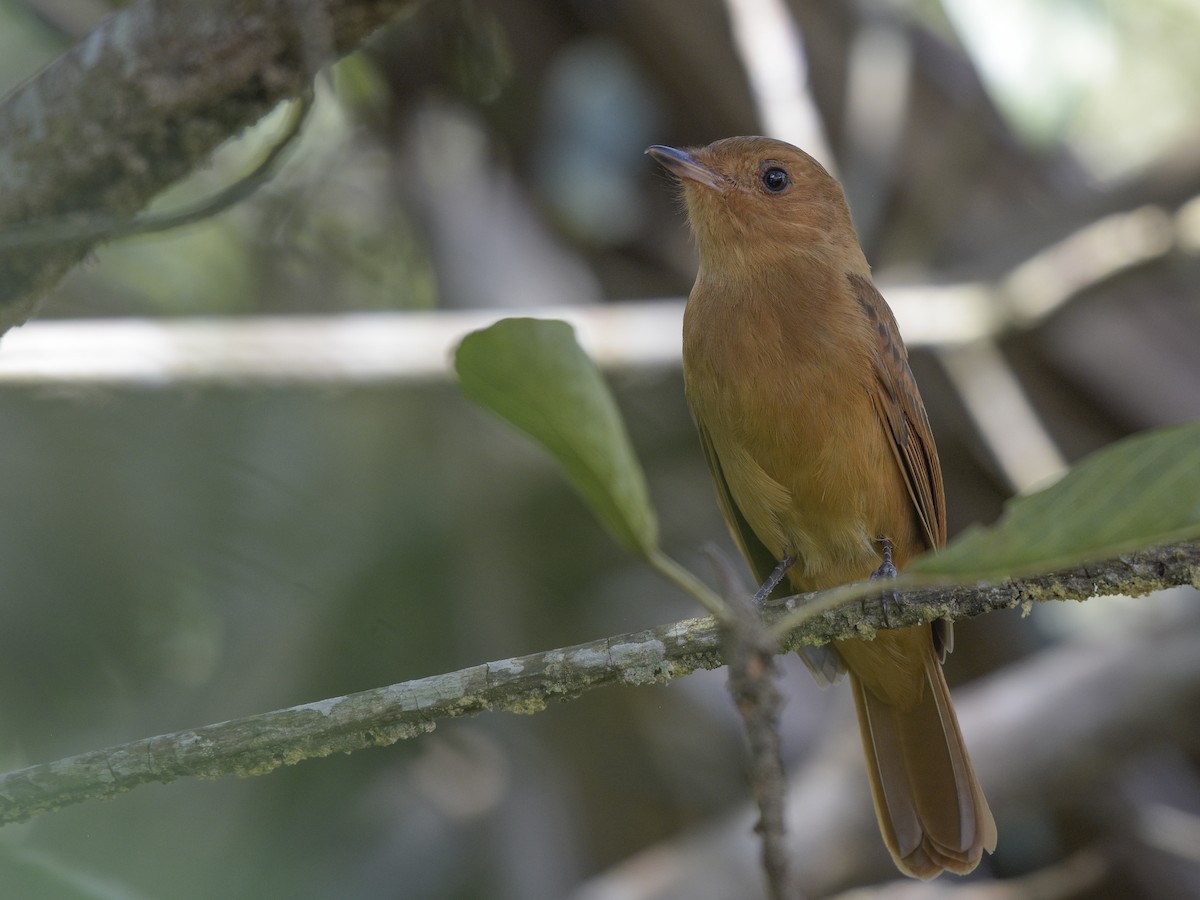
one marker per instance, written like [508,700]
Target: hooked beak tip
[683,165]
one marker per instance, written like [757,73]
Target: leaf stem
[681,577]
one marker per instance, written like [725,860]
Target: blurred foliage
[1080,72]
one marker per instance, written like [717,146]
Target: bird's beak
[683,165]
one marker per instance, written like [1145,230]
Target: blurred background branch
[962,319]
[141,103]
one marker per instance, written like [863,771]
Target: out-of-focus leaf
[534,374]
[1141,491]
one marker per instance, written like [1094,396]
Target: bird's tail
[930,807]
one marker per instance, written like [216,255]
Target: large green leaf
[532,373]
[1137,492]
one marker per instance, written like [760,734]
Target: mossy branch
[257,744]
[143,101]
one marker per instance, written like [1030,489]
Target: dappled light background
[183,548]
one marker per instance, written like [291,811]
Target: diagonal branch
[142,102]
[257,744]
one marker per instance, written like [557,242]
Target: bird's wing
[824,662]
[901,411]
[762,562]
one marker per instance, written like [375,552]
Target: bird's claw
[772,582]
[887,569]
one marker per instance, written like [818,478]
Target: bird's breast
[781,388]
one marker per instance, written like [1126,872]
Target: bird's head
[755,202]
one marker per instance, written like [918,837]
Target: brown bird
[824,461]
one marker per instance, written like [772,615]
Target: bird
[824,461]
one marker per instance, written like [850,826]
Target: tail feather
[931,809]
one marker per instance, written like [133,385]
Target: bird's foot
[886,570]
[772,582]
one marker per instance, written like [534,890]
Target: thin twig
[753,672]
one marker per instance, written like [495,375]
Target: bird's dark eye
[775,179]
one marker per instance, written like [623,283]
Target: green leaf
[1141,491]
[532,373]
